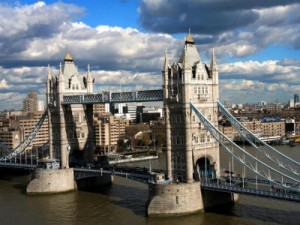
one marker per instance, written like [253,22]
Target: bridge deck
[114,97]
[287,196]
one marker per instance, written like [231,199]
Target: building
[19,129]
[149,114]
[273,129]
[41,105]
[31,103]
[265,127]
[108,130]
[273,108]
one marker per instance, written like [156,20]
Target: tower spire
[89,72]
[166,62]
[60,69]
[213,63]
[189,38]
[89,80]
[49,73]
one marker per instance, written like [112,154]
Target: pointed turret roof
[166,63]
[213,63]
[68,57]
[190,54]
[49,73]
[89,76]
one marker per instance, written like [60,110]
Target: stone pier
[52,181]
[174,199]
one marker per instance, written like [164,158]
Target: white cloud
[3,84]
[133,58]
[267,71]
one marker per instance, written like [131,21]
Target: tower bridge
[192,180]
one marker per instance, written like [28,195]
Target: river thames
[124,203]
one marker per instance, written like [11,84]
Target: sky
[256,43]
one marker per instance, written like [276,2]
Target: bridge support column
[89,147]
[51,181]
[174,199]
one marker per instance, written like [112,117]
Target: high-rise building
[31,103]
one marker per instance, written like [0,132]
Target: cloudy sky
[257,44]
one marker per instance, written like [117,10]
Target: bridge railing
[225,187]
[85,172]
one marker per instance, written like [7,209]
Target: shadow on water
[126,194]
[270,215]
[21,188]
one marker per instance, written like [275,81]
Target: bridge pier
[174,199]
[184,198]
[46,181]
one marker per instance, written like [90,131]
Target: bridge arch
[206,167]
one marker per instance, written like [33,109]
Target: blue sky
[256,43]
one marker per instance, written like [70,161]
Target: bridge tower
[70,129]
[71,126]
[192,153]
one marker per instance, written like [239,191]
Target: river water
[124,203]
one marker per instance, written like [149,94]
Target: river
[124,203]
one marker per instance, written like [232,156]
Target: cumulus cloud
[104,46]
[237,28]
[241,91]
[266,71]
[3,84]
[252,80]
[131,59]
[36,21]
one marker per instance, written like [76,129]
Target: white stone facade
[187,140]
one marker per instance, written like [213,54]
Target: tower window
[179,72]
[194,72]
[169,73]
[202,138]
[195,90]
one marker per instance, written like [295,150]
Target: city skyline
[256,44]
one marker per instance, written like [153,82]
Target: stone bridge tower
[70,126]
[192,153]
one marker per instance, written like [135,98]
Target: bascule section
[192,153]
